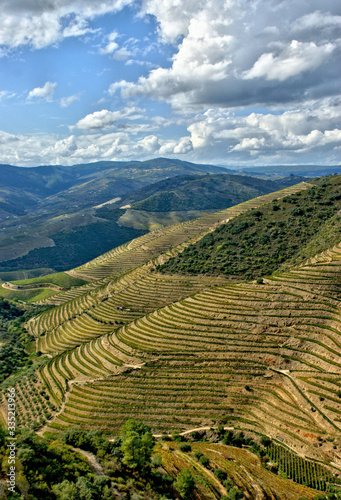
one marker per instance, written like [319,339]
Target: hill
[66,207]
[209,192]
[24,188]
[47,213]
[283,170]
[258,363]
[260,241]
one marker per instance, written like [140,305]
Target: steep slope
[264,349]
[257,243]
[181,352]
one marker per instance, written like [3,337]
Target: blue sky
[230,82]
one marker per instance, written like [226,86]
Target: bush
[156,461]
[235,494]
[196,436]
[220,474]
[198,455]
[265,441]
[185,447]
[204,461]
[185,484]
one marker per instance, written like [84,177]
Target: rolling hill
[66,207]
[47,213]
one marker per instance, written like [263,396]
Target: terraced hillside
[243,468]
[181,352]
[259,357]
[151,245]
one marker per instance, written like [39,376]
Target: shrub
[156,461]
[185,447]
[265,441]
[185,484]
[204,461]
[220,474]
[195,435]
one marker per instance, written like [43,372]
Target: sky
[226,82]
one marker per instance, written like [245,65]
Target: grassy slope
[259,242]
[26,295]
[60,279]
[35,295]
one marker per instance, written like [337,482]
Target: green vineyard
[301,471]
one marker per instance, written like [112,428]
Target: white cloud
[310,133]
[309,128]
[67,101]
[293,60]
[316,19]
[104,119]
[62,148]
[241,52]
[6,138]
[111,46]
[173,16]
[6,94]
[45,92]
[39,23]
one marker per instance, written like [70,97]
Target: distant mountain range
[22,189]
[283,170]
[57,217]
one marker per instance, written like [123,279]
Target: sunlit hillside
[187,351]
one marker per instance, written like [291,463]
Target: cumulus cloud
[6,138]
[111,46]
[310,133]
[293,60]
[232,53]
[38,23]
[45,92]
[308,128]
[104,119]
[317,20]
[63,148]
[230,58]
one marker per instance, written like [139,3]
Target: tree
[86,490]
[185,484]
[65,491]
[137,444]
[265,441]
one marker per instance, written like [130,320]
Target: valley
[48,215]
